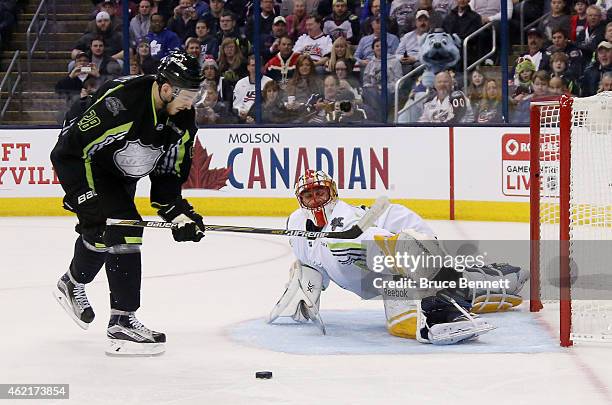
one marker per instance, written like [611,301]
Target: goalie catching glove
[190,223]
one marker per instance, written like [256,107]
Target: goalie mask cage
[571,214]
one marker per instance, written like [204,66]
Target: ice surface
[203,294]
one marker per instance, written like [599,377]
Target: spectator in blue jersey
[161,39]
[209,47]
[365,52]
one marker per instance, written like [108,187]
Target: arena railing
[5,85]
[398,84]
[37,27]
[466,68]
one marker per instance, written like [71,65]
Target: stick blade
[375,211]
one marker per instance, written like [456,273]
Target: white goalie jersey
[344,261]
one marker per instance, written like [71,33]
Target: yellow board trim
[279,207]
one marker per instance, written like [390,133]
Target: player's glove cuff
[190,223]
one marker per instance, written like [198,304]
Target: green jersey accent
[112,135]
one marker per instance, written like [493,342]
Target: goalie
[429,315]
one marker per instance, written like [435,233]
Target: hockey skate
[444,320]
[71,296]
[128,337]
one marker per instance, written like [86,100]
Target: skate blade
[125,348]
[316,320]
[61,299]
[448,334]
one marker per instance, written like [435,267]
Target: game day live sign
[515,164]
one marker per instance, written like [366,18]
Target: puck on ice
[266,375]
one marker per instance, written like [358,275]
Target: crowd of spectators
[321,59]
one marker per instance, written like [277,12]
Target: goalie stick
[368,219]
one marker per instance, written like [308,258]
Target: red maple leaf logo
[200,175]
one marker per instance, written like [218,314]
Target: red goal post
[570,200]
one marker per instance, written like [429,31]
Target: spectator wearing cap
[140,24]
[560,43]
[71,85]
[271,43]
[578,20]
[365,52]
[409,50]
[593,73]
[314,43]
[401,11]
[535,50]
[556,19]
[112,40]
[217,9]
[342,23]
[435,17]
[111,7]
[213,80]
[594,32]
[296,22]
[228,29]
[209,47]
[184,20]
[201,7]
[161,39]
[281,66]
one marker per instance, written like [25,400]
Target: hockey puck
[265,375]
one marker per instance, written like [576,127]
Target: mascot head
[440,51]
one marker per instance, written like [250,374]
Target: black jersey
[122,137]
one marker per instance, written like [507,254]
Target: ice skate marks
[364,332]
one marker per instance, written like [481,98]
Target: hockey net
[571,214]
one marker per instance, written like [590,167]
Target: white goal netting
[590,213]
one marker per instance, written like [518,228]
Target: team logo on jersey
[114,105]
[89,121]
[136,159]
[337,223]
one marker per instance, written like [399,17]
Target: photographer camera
[347,112]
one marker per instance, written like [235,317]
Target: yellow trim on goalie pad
[495,303]
[403,325]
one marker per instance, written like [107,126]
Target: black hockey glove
[190,223]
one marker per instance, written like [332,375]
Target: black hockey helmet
[180,70]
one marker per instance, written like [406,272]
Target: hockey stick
[368,219]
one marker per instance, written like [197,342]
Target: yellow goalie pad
[485,304]
[403,325]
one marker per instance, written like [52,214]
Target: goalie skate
[128,337]
[71,296]
[444,321]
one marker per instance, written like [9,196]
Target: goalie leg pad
[300,301]
[500,299]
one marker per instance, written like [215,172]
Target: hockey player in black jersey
[135,126]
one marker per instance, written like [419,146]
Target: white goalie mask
[316,202]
